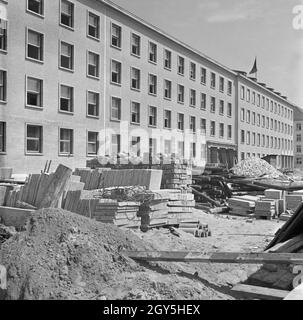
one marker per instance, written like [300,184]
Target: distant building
[298,137]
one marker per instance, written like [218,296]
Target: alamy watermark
[298,19]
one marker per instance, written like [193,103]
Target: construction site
[152,232]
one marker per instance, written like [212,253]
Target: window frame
[3,137]
[131,113]
[72,142]
[4,86]
[97,106]
[119,46]
[150,44]
[149,115]
[5,50]
[119,110]
[88,143]
[170,119]
[41,46]
[72,56]
[72,27]
[72,99]
[41,15]
[88,25]
[111,73]
[170,89]
[170,59]
[27,105]
[132,34]
[138,80]
[149,84]
[87,65]
[40,139]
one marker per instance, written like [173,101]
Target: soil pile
[66,256]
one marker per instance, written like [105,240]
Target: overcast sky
[233,32]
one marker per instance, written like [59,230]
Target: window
[180,93]
[299,126]
[66,141]
[203,75]
[258,120]
[116,144]
[221,131]
[135,78]
[116,72]
[267,122]
[135,112]
[93,104]
[92,143]
[152,52]
[253,97]
[258,140]
[93,26]
[263,121]
[135,146]
[203,125]
[253,139]
[67,13]
[258,100]
[229,109]
[242,136]
[152,147]
[192,99]
[203,101]
[212,128]
[33,139]
[3,85]
[152,84]
[116,109]
[181,65]
[242,93]
[135,45]
[248,116]
[180,118]
[66,99]
[213,104]
[299,160]
[167,59]
[253,118]
[181,148]
[35,6]
[34,92]
[93,65]
[34,45]
[152,116]
[167,89]
[167,119]
[116,33]
[299,138]
[221,108]
[193,150]
[229,88]
[242,114]
[213,80]
[192,71]
[248,138]
[167,147]
[192,124]
[263,102]
[221,84]
[3,35]
[2,137]
[66,56]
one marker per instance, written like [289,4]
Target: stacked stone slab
[176,176]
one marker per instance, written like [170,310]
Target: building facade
[85,78]
[298,137]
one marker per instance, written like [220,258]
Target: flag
[255,68]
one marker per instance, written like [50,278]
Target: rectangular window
[135,146]
[93,104]
[242,115]
[34,45]
[213,80]
[263,102]
[229,109]
[116,72]
[203,75]
[212,128]
[213,104]
[242,136]
[203,101]
[66,99]
[3,35]
[192,124]
[33,139]
[93,25]
[93,65]
[135,78]
[221,131]
[253,138]
[92,143]
[263,121]
[299,126]
[180,118]
[193,150]
[167,59]
[299,161]
[66,56]
[152,84]
[229,88]
[3,85]
[34,89]
[167,119]
[181,65]
[192,97]
[221,84]
[248,138]
[152,52]
[116,144]
[116,36]
[253,118]
[221,109]
[181,148]
[67,13]
[203,125]
[242,93]
[192,71]
[135,45]
[35,6]
[180,93]
[152,147]
[299,138]
[152,116]
[258,140]
[167,89]
[167,147]
[248,95]
[116,109]
[2,137]
[267,122]
[258,120]
[135,112]
[258,100]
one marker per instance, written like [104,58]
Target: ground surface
[67,256]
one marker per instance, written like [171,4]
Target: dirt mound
[256,167]
[66,256]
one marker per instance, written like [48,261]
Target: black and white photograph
[151,152]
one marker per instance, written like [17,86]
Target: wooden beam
[219,257]
[260,292]
[296,294]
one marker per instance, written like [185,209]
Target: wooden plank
[296,294]
[14,217]
[289,246]
[260,292]
[217,257]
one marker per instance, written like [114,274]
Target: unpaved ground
[66,256]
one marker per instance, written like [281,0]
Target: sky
[233,32]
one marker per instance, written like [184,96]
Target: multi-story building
[298,137]
[86,78]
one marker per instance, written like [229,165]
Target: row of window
[256,139]
[261,120]
[274,107]
[248,155]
